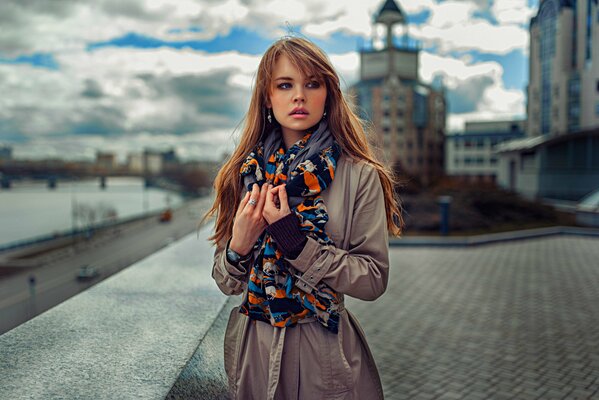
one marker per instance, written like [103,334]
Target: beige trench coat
[307,361]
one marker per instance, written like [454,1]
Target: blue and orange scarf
[307,169]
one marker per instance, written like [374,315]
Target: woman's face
[297,101]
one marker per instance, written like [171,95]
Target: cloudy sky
[121,75]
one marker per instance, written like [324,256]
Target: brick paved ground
[513,320]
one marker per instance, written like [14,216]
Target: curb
[463,241]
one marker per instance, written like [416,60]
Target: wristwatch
[236,258]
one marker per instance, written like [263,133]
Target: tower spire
[389,15]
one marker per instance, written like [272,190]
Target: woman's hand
[277,205]
[249,222]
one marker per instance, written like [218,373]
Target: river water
[30,209]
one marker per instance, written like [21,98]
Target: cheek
[321,98]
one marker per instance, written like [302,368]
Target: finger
[283,197]
[262,199]
[270,198]
[243,202]
[255,193]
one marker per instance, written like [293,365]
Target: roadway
[109,252]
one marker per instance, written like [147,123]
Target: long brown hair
[344,124]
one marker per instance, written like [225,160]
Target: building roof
[520,144]
[537,141]
[390,10]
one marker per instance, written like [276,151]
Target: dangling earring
[324,114]
[269,117]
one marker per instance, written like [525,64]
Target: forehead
[284,67]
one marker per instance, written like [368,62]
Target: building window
[456,144]
[467,143]
[467,160]
[598,83]
[480,143]
[493,160]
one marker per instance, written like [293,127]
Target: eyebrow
[286,78]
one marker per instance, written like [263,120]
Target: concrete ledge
[130,336]
[461,241]
[204,375]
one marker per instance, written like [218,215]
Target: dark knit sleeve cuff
[288,235]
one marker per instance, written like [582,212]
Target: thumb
[283,197]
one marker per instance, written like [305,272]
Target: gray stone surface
[129,336]
[204,376]
[511,320]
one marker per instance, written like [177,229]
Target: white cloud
[492,100]
[512,11]
[210,145]
[478,35]
[140,95]
[450,13]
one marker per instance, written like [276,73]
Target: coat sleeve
[362,271]
[230,279]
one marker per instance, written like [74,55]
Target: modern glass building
[563,90]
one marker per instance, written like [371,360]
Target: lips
[299,111]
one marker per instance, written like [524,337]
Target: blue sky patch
[515,67]
[419,18]
[41,60]
[239,39]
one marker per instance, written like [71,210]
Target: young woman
[303,213]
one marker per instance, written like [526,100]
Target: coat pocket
[233,333]
[340,374]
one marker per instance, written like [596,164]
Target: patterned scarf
[308,168]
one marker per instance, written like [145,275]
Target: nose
[299,94]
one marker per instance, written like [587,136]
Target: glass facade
[574,102]
[547,19]
[589,33]
[420,109]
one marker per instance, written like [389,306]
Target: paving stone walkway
[511,320]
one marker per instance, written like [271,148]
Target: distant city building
[408,115]
[558,167]
[563,89]
[170,157]
[135,163]
[152,162]
[105,160]
[559,158]
[5,153]
[469,155]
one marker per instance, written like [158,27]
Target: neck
[290,137]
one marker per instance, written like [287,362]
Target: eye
[314,84]
[284,85]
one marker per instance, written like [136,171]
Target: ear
[267,103]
